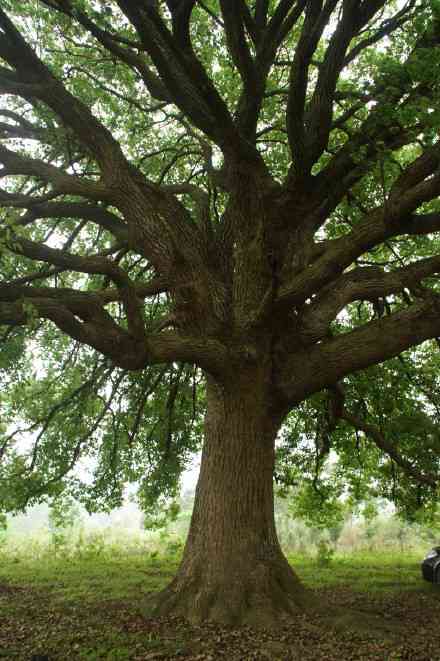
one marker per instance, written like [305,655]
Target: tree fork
[233,570]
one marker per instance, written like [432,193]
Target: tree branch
[233,18]
[368,283]
[15,164]
[98,330]
[379,131]
[30,70]
[386,28]
[393,219]
[110,42]
[373,432]
[322,365]
[185,78]
[157,222]
[96,214]
[284,17]
[319,115]
[315,20]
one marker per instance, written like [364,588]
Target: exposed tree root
[364,622]
[258,596]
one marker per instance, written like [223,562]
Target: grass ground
[94,608]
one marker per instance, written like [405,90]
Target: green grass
[80,606]
[115,577]
[90,580]
[92,608]
[365,572]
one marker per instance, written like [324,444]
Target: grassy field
[79,606]
[365,572]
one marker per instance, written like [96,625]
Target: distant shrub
[325,553]
[174,547]
[63,516]
[3,531]
[3,522]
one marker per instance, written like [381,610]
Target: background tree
[232,197]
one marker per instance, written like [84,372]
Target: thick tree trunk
[233,570]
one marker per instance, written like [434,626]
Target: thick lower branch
[368,283]
[100,331]
[310,370]
[333,257]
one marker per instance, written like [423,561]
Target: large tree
[233,205]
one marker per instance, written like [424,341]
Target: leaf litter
[390,626]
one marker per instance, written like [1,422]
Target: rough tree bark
[233,570]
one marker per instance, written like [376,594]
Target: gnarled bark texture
[233,570]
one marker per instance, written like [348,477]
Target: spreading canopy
[187,182]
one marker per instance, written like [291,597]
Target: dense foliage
[347,100]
